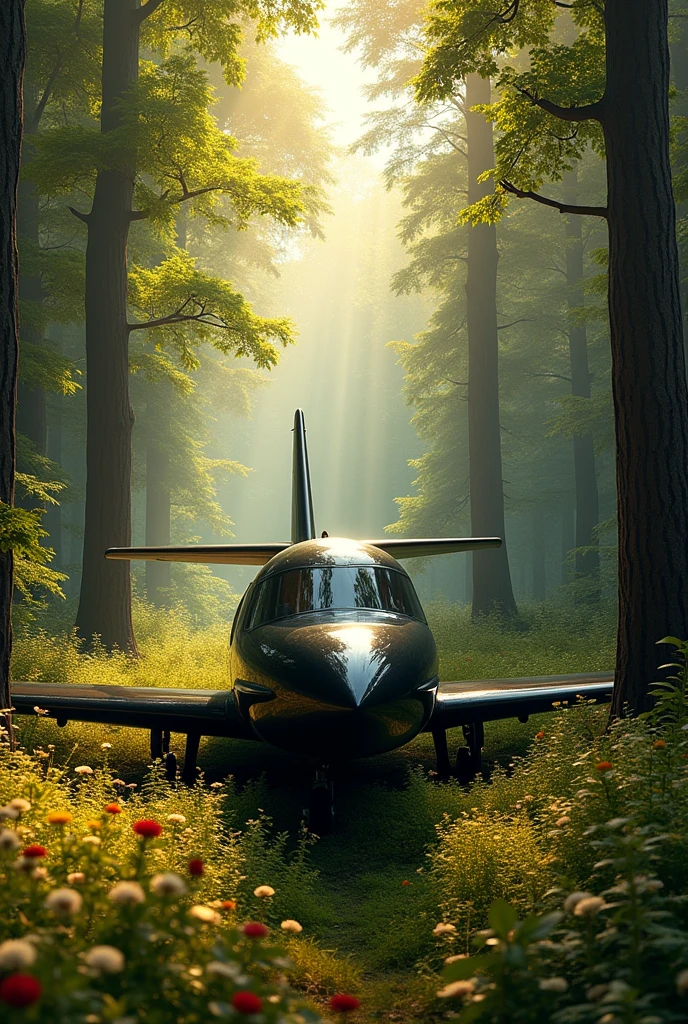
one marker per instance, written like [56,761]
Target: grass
[388,808]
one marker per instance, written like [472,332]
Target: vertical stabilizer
[302,518]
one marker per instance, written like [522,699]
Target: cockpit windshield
[341,587]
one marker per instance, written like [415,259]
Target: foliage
[21,532]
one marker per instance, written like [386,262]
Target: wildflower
[132,785]
[20,804]
[147,828]
[589,906]
[9,840]
[59,818]
[176,819]
[457,956]
[20,990]
[603,766]
[64,901]
[205,914]
[228,905]
[564,820]
[573,899]
[457,988]
[83,769]
[255,930]
[247,1002]
[39,872]
[343,1003]
[126,893]
[112,809]
[76,877]
[264,891]
[106,959]
[659,744]
[539,735]
[34,850]
[168,884]
[106,746]
[681,981]
[118,782]
[443,928]
[16,954]
[216,785]
[291,926]
[196,867]
[8,812]
[94,824]
[553,984]
[93,840]
[406,882]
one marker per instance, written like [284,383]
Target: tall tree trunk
[567,541]
[492,590]
[648,366]
[53,517]
[587,563]
[158,508]
[12,57]
[105,598]
[538,550]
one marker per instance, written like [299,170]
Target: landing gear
[468,758]
[320,811]
[439,738]
[159,744]
[193,742]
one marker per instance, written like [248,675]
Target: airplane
[330,656]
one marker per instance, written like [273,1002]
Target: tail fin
[302,518]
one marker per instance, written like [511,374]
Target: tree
[12,59]
[610,88]
[157,148]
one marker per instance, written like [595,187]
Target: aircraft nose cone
[358,664]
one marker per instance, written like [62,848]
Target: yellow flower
[59,818]
[94,824]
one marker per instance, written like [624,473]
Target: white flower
[681,981]
[291,926]
[20,804]
[106,746]
[216,785]
[224,970]
[94,840]
[573,898]
[9,840]
[83,769]
[205,914]
[457,988]
[176,819]
[106,959]
[126,892]
[118,782]
[9,812]
[263,891]
[553,984]
[16,954]
[76,878]
[443,928]
[39,872]
[64,901]
[168,884]
[564,820]
[589,906]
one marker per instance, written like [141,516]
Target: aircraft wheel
[465,771]
[171,767]
[321,810]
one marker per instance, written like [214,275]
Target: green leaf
[502,918]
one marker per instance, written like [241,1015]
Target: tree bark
[539,565]
[53,516]
[105,598]
[567,541]
[587,563]
[648,365]
[492,589]
[12,58]
[158,509]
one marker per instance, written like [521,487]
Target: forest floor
[369,904]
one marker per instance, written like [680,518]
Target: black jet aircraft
[330,656]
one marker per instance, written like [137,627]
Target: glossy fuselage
[337,683]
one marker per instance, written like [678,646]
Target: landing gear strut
[193,742]
[320,811]
[468,758]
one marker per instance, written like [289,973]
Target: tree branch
[85,217]
[522,320]
[588,211]
[558,376]
[149,8]
[588,112]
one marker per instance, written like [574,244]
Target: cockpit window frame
[259,583]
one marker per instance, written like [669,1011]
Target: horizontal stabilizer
[208,554]
[402,548]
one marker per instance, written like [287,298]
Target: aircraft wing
[209,712]
[208,554]
[401,547]
[486,700]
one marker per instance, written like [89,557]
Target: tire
[171,767]
[465,770]
[320,811]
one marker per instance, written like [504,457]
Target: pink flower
[255,930]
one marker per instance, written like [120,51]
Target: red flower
[112,809]
[255,930]
[147,828]
[603,766]
[35,851]
[229,904]
[343,1003]
[20,990]
[196,867]
[539,735]
[406,882]
[247,1002]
